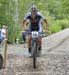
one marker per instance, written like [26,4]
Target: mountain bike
[34,44]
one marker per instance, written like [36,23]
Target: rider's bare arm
[45,20]
[25,22]
[23,25]
[47,25]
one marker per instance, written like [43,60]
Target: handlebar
[43,34]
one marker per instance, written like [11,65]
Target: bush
[63,23]
[55,28]
[59,25]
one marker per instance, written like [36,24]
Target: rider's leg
[29,43]
[40,35]
[40,43]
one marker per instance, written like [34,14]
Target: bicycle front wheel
[34,53]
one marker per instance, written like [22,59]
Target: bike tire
[34,54]
[1,61]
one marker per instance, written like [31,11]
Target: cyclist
[35,19]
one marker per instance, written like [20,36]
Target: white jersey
[37,22]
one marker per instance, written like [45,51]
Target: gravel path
[54,59]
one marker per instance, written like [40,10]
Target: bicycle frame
[35,41]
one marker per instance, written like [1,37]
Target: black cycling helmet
[33,8]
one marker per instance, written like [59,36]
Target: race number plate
[35,34]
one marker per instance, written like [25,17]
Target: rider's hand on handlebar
[23,31]
[47,30]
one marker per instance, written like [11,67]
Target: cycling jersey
[35,24]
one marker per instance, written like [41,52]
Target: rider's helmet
[33,9]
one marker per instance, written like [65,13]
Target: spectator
[0,36]
[4,32]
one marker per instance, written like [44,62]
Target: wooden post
[5,53]
[4,35]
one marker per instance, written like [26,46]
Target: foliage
[63,23]
[12,13]
[55,27]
